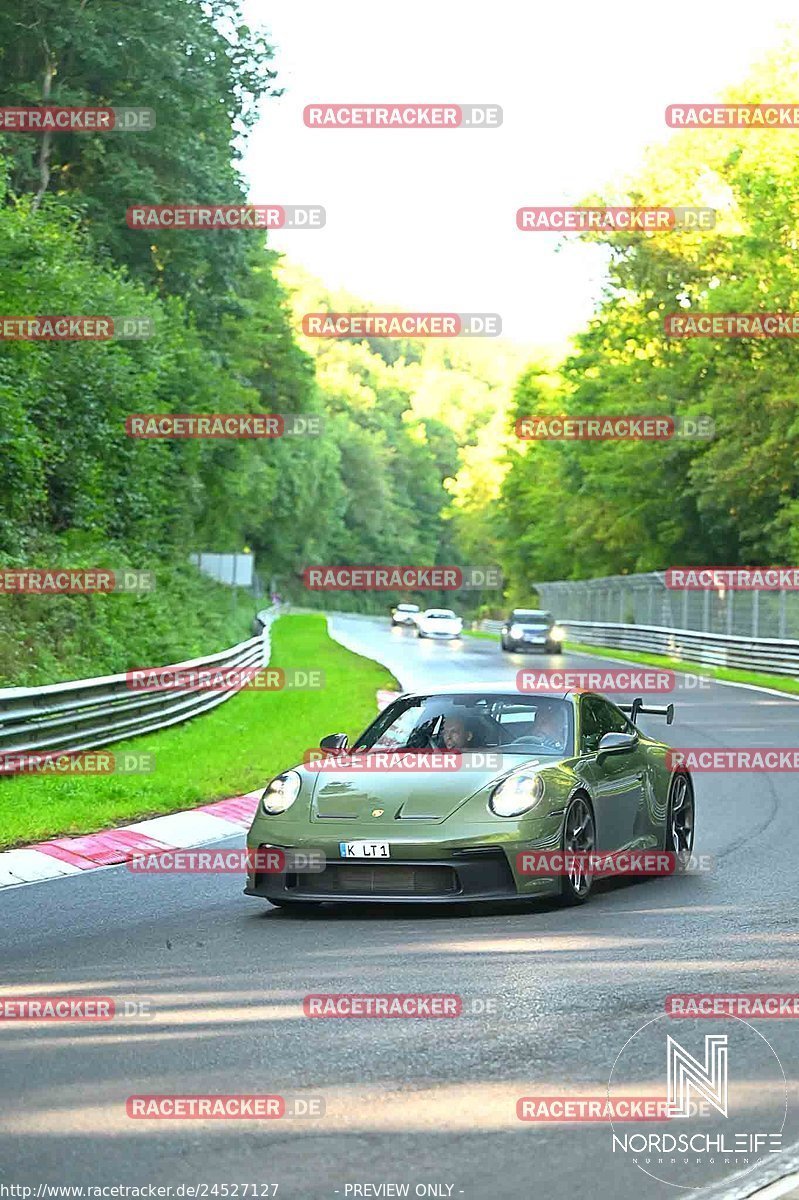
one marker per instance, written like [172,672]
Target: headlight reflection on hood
[517,794]
[281,793]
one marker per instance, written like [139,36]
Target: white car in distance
[404,614]
[439,623]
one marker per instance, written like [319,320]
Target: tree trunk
[47,139]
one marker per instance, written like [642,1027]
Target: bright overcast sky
[425,219]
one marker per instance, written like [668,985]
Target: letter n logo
[686,1072]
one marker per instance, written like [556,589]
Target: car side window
[589,726]
[597,718]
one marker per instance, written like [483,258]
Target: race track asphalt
[422,1103]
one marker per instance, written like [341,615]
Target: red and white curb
[176,831]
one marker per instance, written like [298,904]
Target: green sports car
[441,795]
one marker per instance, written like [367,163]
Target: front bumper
[420,871]
[533,644]
[484,876]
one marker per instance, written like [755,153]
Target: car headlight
[557,633]
[516,631]
[517,794]
[281,793]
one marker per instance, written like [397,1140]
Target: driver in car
[548,728]
[456,734]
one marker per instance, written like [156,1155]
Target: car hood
[351,795]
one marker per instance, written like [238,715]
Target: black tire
[680,820]
[297,906]
[579,813]
[503,643]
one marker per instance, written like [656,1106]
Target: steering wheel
[425,738]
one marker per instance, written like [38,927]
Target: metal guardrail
[772,655]
[93,712]
[690,645]
[646,599]
[490,626]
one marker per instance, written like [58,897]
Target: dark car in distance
[532,629]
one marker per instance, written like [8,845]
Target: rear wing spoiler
[655,710]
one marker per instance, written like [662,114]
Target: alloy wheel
[579,837]
[681,819]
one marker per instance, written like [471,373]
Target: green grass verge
[235,748]
[782,683]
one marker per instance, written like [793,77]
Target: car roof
[494,689]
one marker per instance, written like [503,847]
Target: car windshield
[531,614]
[526,725]
[441,614]
[407,608]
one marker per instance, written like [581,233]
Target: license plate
[364,849]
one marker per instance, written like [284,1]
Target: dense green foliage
[416,461]
[202,71]
[74,488]
[50,639]
[580,509]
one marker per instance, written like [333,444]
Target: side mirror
[616,743]
[334,742]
